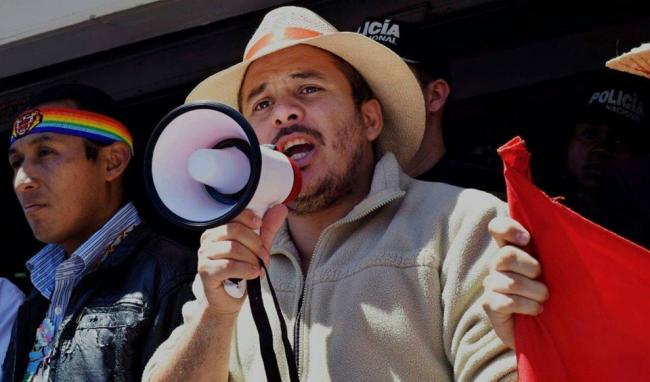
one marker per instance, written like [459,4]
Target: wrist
[208,315]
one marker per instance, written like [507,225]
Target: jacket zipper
[296,334]
[297,325]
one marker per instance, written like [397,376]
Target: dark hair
[92,149]
[361,91]
[431,71]
[85,97]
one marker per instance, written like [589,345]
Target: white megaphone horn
[204,166]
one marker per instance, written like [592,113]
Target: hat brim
[388,76]
[636,61]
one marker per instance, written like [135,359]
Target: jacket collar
[128,246]
[389,183]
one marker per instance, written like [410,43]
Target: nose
[24,180]
[287,113]
[608,142]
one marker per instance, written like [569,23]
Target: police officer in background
[427,59]
[607,157]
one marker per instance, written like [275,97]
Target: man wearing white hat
[371,285]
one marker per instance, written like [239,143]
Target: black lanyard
[266,334]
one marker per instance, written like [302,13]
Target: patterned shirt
[55,277]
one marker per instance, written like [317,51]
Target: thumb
[271,223]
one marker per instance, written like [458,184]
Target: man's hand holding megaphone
[205,170]
[204,166]
[233,251]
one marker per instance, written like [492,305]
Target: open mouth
[297,149]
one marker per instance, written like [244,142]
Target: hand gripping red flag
[595,326]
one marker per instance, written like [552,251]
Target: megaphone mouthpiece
[226,170]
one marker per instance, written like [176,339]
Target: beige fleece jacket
[392,292]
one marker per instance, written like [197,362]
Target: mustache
[299,129]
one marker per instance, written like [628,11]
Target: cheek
[575,151]
[70,195]
[78,190]
[349,134]
[264,136]
[259,125]
[622,155]
[575,158]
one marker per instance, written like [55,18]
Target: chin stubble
[333,187]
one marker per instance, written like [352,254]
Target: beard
[333,187]
[330,190]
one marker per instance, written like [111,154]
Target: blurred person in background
[428,61]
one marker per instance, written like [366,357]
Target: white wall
[38,33]
[22,19]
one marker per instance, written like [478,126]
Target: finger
[228,249]
[273,220]
[506,230]
[501,306]
[515,284]
[214,272]
[247,218]
[233,231]
[513,259]
[502,323]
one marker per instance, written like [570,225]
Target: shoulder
[472,200]
[452,209]
[166,246]
[162,254]
[9,293]
[453,198]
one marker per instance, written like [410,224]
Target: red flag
[594,326]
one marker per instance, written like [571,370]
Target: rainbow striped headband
[85,124]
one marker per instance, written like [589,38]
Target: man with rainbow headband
[107,290]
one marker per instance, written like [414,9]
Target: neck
[431,149]
[306,229]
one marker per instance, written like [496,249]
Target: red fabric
[594,326]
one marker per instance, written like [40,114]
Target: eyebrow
[298,75]
[308,74]
[40,139]
[255,92]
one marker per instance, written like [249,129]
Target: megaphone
[204,165]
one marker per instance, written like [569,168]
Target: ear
[436,94]
[373,118]
[116,158]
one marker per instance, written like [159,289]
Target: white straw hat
[636,61]
[388,76]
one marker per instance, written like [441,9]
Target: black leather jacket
[117,315]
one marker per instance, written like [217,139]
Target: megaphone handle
[236,288]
